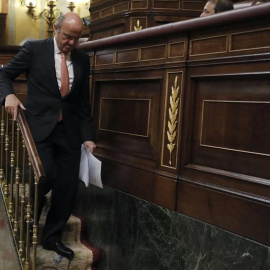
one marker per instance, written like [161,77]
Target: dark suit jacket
[43,99]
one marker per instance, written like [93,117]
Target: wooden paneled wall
[182,116]
[6,54]
[2,28]
[113,17]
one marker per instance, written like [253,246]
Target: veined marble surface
[133,234]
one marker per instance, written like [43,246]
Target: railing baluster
[22,195]
[2,134]
[17,181]
[6,191]
[35,226]
[17,174]
[28,216]
[12,166]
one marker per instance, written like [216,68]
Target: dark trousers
[61,161]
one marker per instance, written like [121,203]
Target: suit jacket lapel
[76,68]
[51,68]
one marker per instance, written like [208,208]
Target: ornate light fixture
[50,15]
[71,6]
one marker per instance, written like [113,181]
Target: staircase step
[95,251]
[47,259]
[83,259]
[71,233]
[71,237]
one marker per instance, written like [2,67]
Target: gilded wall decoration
[173,112]
[138,26]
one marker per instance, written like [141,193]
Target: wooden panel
[127,56]
[20,87]
[107,9]
[121,7]
[104,59]
[193,5]
[142,183]
[169,4]
[232,212]
[242,131]
[138,4]
[156,52]
[211,45]
[250,40]
[6,54]
[5,59]
[165,192]
[95,16]
[136,114]
[115,29]
[130,124]
[91,60]
[3,19]
[176,49]
[231,124]
[106,12]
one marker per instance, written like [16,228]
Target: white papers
[90,169]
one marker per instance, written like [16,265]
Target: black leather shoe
[60,249]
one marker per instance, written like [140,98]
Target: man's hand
[90,145]
[11,105]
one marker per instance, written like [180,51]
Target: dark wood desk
[114,17]
[182,115]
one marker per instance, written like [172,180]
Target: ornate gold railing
[20,173]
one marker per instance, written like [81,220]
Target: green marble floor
[8,257]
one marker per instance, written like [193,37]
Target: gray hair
[59,21]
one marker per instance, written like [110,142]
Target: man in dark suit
[58,114]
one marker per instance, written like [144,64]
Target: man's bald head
[69,18]
[68,29]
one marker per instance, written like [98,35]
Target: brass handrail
[30,145]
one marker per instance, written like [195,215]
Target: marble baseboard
[133,234]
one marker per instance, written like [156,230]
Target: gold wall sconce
[50,15]
[71,6]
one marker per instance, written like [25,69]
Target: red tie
[64,89]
